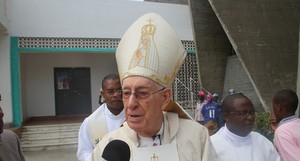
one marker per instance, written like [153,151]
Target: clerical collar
[151,141]
[236,140]
[113,116]
[287,119]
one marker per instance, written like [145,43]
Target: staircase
[46,137]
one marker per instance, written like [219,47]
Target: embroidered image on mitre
[152,49]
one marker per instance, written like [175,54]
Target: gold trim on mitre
[152,49]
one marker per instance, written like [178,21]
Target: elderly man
[287,134]
[149,57]
[10,149]
[236,141]
[108,117]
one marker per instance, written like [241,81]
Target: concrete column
[264,35]
[5,78]
[212,46]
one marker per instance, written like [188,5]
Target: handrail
[189,104]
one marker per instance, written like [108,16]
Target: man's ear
[167,94]
[225,117]
[278,107]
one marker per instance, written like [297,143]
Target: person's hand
[273,123]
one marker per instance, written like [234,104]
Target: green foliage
[262,121]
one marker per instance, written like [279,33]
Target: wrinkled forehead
[138,82]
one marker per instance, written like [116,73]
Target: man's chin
[117,104]
[134,126]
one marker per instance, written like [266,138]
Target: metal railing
[184,94]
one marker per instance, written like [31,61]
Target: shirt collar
[236,140]
[111,115]
[287,119]
[148,141]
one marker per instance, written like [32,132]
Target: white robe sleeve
[85,142]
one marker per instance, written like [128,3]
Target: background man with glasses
[236,141]
[108,117]
[149,56]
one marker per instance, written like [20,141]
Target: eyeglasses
[113,91]
[243,114]
[139,94]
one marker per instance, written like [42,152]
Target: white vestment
[94,127]
[191,139]
[253,147]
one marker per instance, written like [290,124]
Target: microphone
[116,150]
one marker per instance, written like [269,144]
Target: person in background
[108,117]
[198,115]
[149,56]
[231,91]
[10,149]
[210,112]
[236,141]
[216,98]
[287,125]
[220,113]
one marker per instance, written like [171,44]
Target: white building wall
[3,19]
[89,18]
[5,81]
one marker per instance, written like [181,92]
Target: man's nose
[132,101]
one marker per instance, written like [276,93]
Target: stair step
[33,128]
[47,137]
[54,140]
[48,146]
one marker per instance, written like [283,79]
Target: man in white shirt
[236,141]
[108,117]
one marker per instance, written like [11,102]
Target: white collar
[235,140]
[148,141]
[111,115]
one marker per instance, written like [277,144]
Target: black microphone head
[116,150]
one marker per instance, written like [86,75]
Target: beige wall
[37,77]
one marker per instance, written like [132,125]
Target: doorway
[72,91]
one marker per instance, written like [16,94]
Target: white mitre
[151,48]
